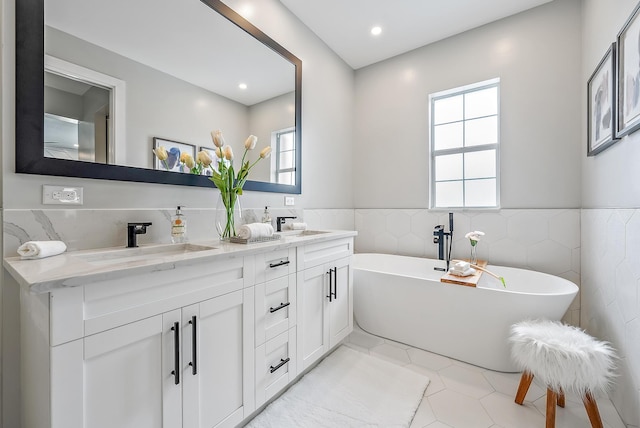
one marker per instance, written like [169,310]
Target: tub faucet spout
[445,241]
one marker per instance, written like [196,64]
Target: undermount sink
[301,233]
[125,255]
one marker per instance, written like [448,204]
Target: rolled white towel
[255,231]
[468,272]
[41,249]
[298,226]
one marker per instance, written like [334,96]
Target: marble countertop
[76,268]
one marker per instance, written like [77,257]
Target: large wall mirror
[99,83]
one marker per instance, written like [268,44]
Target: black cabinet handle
[176,352]
[282,306]
[281,263]
[330,296]
[335,283]
[194,346]
[282,363]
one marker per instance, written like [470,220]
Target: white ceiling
[344,25]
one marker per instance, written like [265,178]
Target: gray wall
[536,54]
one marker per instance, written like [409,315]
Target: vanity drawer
[275,307]
[108,304]
[312,255]
[275,365]
[275,264]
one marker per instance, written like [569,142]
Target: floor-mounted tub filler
[401,298]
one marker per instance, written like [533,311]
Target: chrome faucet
[444,241]
[134,229]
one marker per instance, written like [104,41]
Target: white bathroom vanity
[181,335]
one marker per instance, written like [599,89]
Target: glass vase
[474,255]
[228,215]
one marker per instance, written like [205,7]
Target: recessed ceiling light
[242,86]
[376,30]
[246,11]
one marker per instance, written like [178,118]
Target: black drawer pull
[282,363]
[176,352]
[194,346]
[282,306]
[335,283]
[282,263]
[331,294]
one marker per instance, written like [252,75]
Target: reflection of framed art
[214,159]
[629,76]
[601,105]
[174,150]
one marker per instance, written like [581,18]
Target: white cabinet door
[313,320]
[341,302]
[119,379]
[325,309]
[218,377]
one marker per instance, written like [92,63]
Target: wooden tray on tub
[469,281]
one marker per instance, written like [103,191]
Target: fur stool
[565,359]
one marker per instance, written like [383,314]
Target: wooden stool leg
[525,382]
[561,400]
[551,408]
[592,410]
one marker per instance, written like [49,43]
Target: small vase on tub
[474,238]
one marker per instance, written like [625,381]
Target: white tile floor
[461,395]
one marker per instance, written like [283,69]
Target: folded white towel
[255,231]
[298,226]
[461,266]
[468,272]
[41,249]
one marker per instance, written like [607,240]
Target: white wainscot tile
[528,227]
[564,228]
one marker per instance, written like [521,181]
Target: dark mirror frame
[30,110]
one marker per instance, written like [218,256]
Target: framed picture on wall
[601,105]
[174,149]
[629,76]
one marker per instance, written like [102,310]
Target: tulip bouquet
[228,181]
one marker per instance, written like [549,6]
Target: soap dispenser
[178,227]
[266,217]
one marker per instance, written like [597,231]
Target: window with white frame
[464,146]
[284,166]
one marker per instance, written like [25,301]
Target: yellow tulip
[250,143]
[228,153]
[188,160]
[266,152]
[161,153]
[203,158]
[217,138]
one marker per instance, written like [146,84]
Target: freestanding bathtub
[401,298]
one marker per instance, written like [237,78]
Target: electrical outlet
[61,195]
[289,201]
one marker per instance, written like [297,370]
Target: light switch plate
[289,201]
[61,195]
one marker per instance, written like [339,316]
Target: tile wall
[610,296]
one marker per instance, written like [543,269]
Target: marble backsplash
[87,229]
